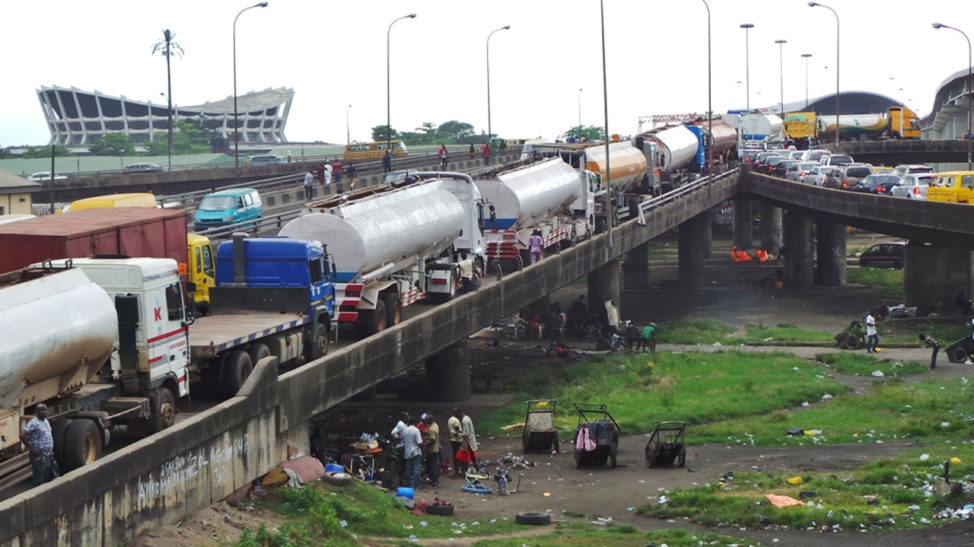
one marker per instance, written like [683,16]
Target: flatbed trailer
[214,334]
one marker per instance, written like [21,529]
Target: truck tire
[163,409]
[393,309]
[82,444]
[319,347]
[258,352]
[236,369]
[372,321]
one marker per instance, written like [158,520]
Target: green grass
[622,536]
[860,364]
[884,280]
[889,494]
[697,388]
[784,333]
[322,514]
[695,331]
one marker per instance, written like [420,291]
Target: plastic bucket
[334,468]
[404,492]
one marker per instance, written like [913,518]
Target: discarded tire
[338,478]
[442,509]
[535,519]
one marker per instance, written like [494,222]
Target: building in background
[79,118]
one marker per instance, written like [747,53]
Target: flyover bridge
[209,456]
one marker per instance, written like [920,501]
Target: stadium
[79,118]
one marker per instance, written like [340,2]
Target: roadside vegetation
[885,281]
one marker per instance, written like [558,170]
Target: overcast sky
[333,54]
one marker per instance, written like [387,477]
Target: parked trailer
[381,248]
[760,127]
[101,341]
[529,196]
[853,127]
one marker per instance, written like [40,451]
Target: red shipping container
[129,231]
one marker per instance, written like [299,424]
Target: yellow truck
[903,123]
[799,125]
[952,187]
[140,199]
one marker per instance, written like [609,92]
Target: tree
[379,133]
[455,131]
[187,139]
[45,152]
[113,144]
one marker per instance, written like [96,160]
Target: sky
[545,71]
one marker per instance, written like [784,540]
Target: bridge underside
[895,152]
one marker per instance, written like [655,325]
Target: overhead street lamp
[710,109]
[489,133]
[781,72]
[236,137]
[607,180]
[348,131]
[806,57]
[970,89]
[388,102]
[168,48]
[579,135]
[747,61]
[813,5]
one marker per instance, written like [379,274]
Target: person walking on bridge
[308,178]
[536,246]
[386,162]
[37,437]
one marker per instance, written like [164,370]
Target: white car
[818,175]
[803,170]
[44,175]
[913,186]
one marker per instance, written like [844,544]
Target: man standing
[412,439]
[456,439]
[932,344]
[37,437]
[469,437]
[327,174]
[536,246]
[467,273]
[442,154]
[336,167]
[872,336]
[386,162]
[308,177]
[431,449]
[352,173]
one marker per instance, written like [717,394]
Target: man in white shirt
[872,336]
[308,177]
[412,440]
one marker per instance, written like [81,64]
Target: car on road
[853,173]
[44,175]
[761,159]
[836,159]
[768,167]
[143,167]
[952,187]
[913,186]
[876,184]
[819,175]
[782,167]
[814,155]
[883,255]
[906,169]
[800,171]
[266,159]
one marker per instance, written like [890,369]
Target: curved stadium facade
[78,118]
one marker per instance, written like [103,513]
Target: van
[228,207]
[884,255]
[952,187]
[266,159]
[144,199]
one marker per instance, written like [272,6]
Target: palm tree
[167,47]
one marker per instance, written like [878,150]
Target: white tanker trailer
[541,195]
[80,346]
[387,248]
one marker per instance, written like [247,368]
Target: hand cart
[666,445]
[539,426]
[597,435]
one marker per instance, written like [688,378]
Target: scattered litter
[607,521]
[878,374]
[795,480]
[955,460]
[826,396]
[795,431]
[924,457]
[782,501]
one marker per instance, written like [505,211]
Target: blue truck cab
[228,207]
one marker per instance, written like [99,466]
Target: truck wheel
[379,317]
[163,409]
[58,429]
[82,444]
[236,369]
[393,309]
[320,347]
[258,352]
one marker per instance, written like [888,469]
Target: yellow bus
[373,150]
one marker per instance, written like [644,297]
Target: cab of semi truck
[903,123]
[200,269]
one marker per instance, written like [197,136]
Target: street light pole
[710,108]
[816,4]
[236,137]
[348,131]
[747,61]
[806,56]
[489,133]
[781,72]
[607,179]
[579,133]
[970,90]
[388,102]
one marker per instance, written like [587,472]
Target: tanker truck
[672,152]
[386,247]
[102,342]
[544,195]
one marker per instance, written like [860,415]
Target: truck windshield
[217,203]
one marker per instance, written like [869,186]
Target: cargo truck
[801,125]
[123,231]
[103,342]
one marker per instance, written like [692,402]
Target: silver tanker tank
[723,137]
[386,232]
[52,326]
[677,147]
[525,195]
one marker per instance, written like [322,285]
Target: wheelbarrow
[596,438]
[666,445]
[852,337]
[539,433]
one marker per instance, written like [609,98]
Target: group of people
[741,255]
[418,442]
[326,173]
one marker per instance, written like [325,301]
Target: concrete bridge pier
[743,227]
[603,284]
[933,275]
[831,243]
[708,236]
[448,374]
[691,251]
[799,262]
[636,276]
[770,228]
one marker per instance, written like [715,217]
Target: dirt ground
[554,484]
